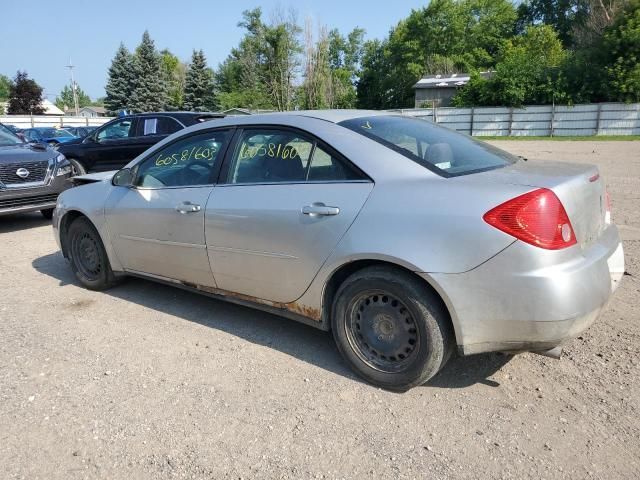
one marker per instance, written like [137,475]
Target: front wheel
[88,257]
[77,168]
[391,328]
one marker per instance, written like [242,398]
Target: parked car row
[35,163]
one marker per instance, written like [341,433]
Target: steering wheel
[187,174]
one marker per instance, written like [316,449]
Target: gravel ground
[146,381]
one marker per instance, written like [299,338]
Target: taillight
[537,218]
[607,211]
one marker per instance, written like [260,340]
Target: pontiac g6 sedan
[404,239]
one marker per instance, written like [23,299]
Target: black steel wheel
[391,327]
[382,331]
[88,257]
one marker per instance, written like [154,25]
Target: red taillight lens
[537,217]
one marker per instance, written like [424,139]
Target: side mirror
[123,178]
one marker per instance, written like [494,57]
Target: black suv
[119,141]
[31,175]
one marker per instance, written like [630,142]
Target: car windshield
[54,133]
[439,149]
[7,138]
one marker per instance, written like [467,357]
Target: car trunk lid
[579,187]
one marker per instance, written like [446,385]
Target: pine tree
[149,91]
[199,93]
[25,96]
[120,84]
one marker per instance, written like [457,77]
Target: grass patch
[592,138]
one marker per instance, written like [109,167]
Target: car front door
[157,225]
[110,148]
[283,204]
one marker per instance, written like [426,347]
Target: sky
[42,38]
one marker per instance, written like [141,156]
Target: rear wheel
[76,167]
[391,328]
[47,213]
[88,257]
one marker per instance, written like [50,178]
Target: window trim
[223,177]
[213,175]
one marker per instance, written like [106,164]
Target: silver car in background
[405,239]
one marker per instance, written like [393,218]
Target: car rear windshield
[439,149]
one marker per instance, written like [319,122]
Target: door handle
[188,207]
[319,209]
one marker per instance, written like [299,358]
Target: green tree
[316,91]
[371,86]
[281,53]
[5,87]
[174,72]
[25,96]
[149,92]
[447,36]
[260,72]
[65,102]
[199,95]
[528,71]
[621,51]
[345,55]
[239,77]
[120,81]
[562,15]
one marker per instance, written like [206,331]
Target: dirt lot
[146,381]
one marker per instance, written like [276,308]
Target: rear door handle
[319,209]
[187,207]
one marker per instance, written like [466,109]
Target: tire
[391,328]
[77,168]
[47,213]
[88,257]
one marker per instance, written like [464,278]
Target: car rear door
[151,130]
[157,225]
[283,203]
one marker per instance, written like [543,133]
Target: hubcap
[382,331]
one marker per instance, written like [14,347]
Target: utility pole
[74,88]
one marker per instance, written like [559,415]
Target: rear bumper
[528,299]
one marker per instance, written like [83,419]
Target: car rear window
[441,150]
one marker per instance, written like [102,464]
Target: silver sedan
[406,240]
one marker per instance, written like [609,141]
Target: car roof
[178,114]
[336,115]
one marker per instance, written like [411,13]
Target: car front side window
[187,162]
[115,131]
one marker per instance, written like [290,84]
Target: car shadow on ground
[22,221]
[297,340]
